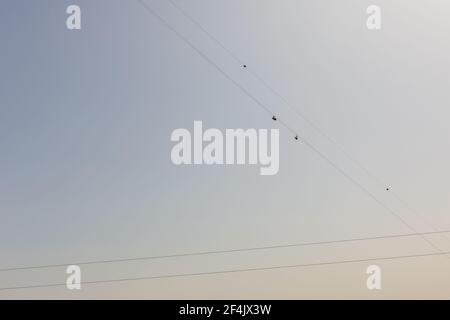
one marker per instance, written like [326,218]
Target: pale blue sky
[86,118]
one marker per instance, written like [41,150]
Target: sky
[85,170]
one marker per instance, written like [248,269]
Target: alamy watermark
[236,146]
[374,19]
[73,281]
[373,281]
[73,21]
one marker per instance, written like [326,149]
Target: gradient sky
[85,124]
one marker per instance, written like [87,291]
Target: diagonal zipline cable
[216,252]
[300,114]
[268,110]
[233,271]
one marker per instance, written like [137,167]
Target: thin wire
[299,113]
[179,275]
[203,253]
[211,36]
[259,103]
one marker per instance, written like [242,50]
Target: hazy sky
[85,124]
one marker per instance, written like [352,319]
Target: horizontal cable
[203,253]
[179,275]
